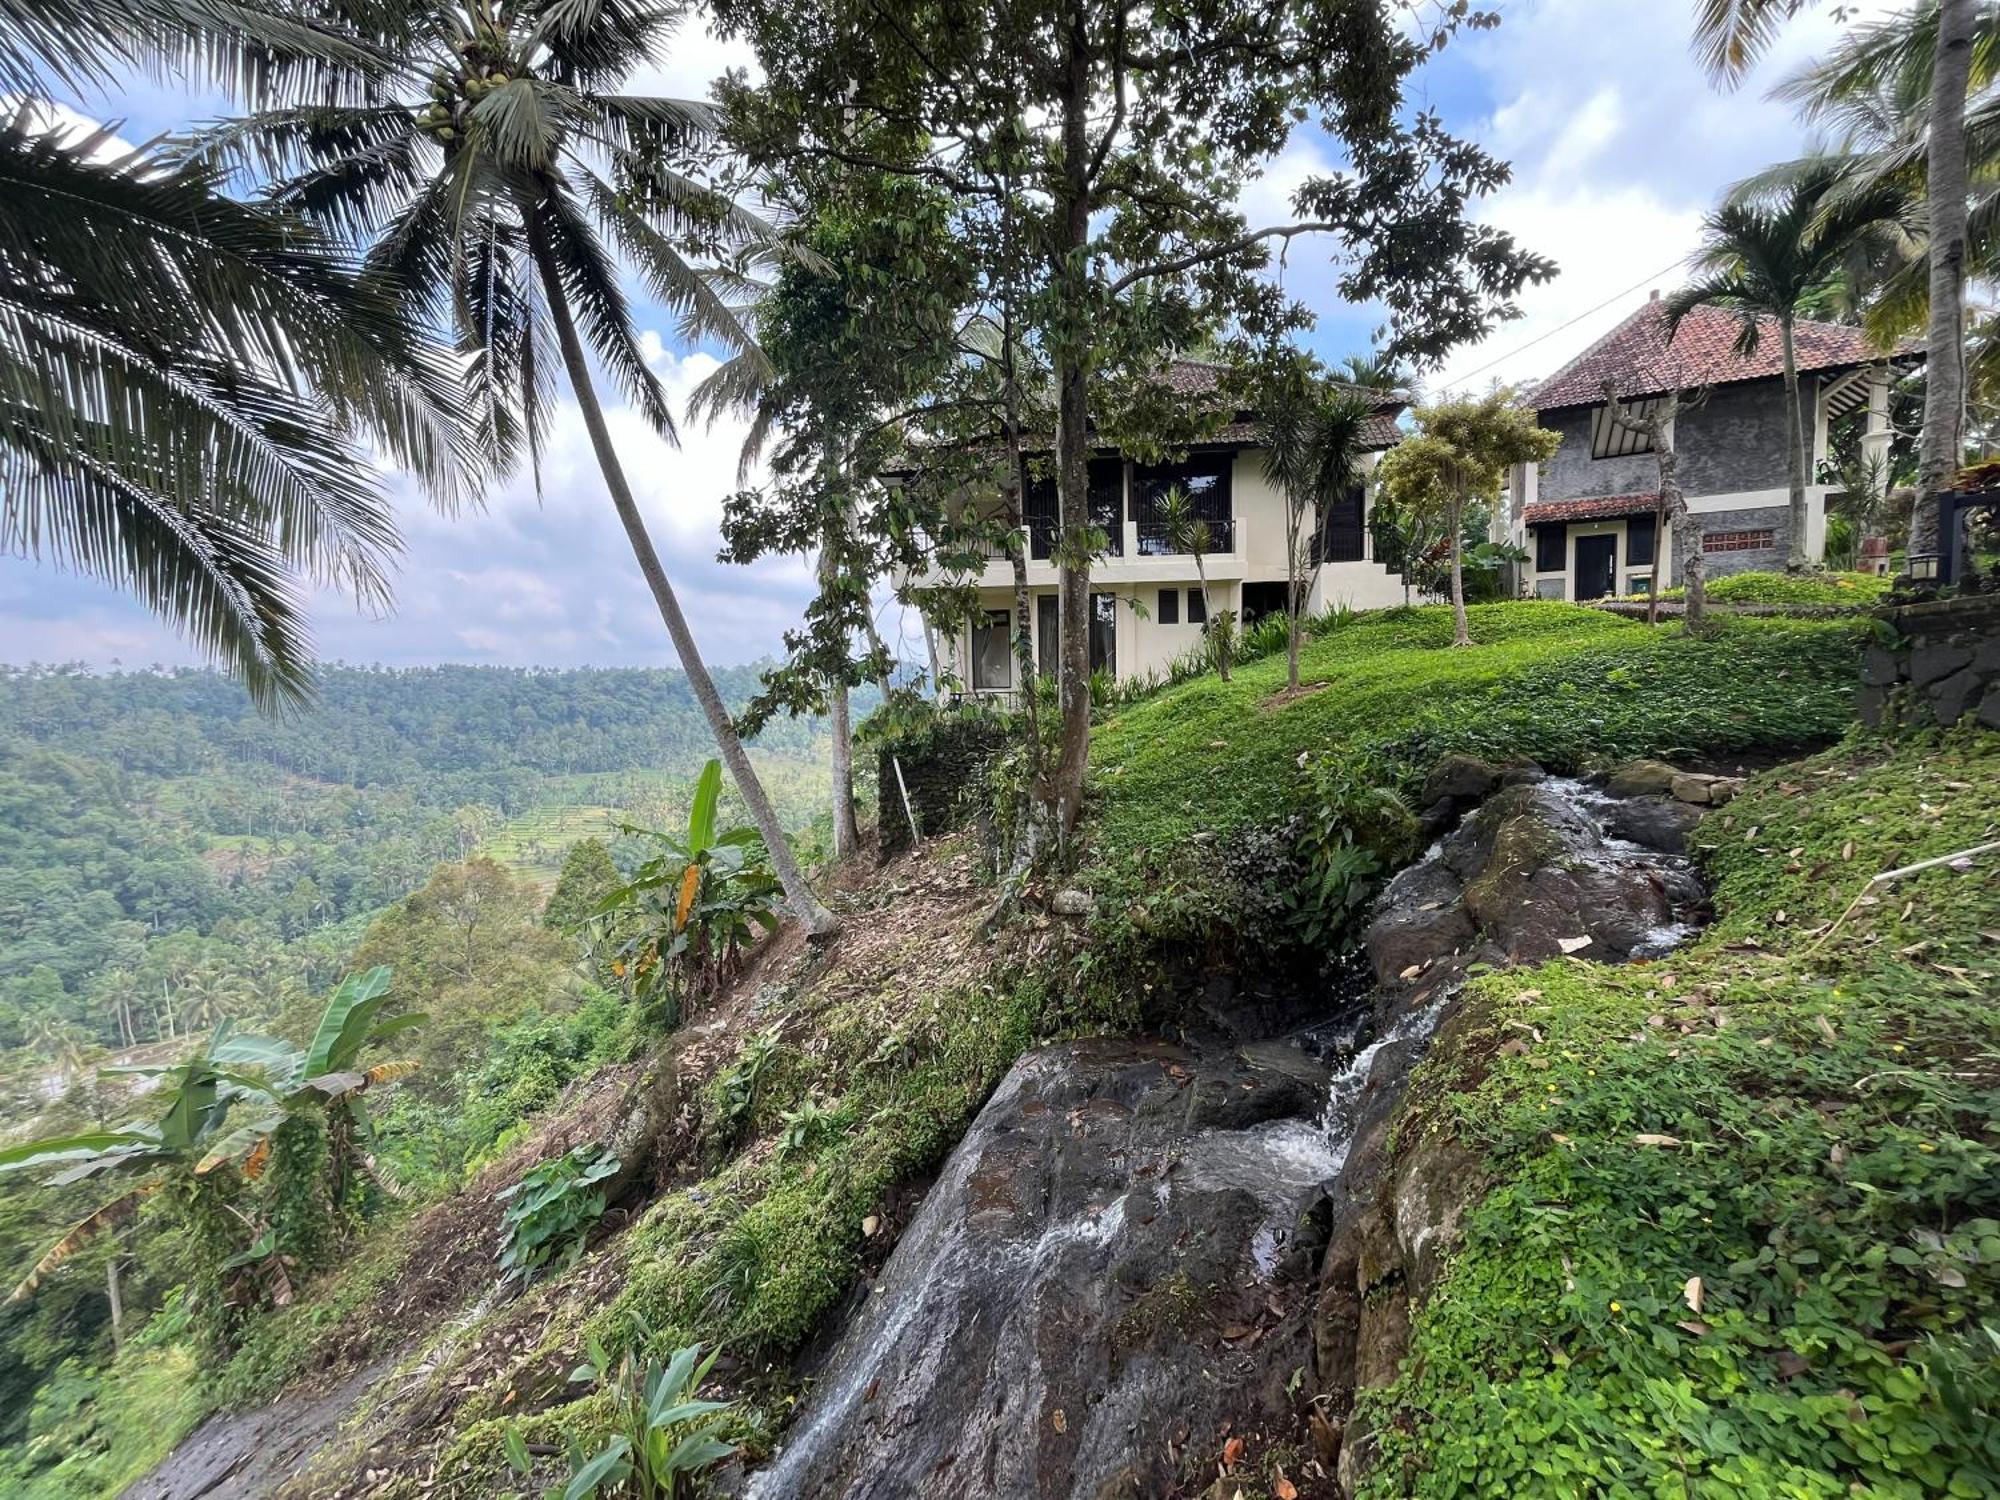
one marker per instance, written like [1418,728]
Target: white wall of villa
[1146,602]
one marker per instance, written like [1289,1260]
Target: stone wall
[944,767]
[1942,668]
[1776,519]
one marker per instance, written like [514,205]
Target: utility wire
[1551,333]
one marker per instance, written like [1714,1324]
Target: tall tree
[492,167]
[1731,34]
[1762,258]
[1462,452]
[1654,422]
[1117,140]
[1313,432]
[846,344]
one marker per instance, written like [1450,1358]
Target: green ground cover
[1742,1231]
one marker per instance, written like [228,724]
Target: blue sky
[1618,145]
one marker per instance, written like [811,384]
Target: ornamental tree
[1462,452]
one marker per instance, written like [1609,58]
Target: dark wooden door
[1596,566]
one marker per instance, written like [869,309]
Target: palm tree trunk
[805,905]
[1797,560]
[1461,627]
[1941,448]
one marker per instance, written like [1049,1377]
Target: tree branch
[1218,252]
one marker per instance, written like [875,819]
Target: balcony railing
[1154,540]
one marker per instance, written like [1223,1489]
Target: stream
[1118,1271]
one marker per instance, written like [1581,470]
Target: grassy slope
[1836,1187]
[1557,682]
[902,1033]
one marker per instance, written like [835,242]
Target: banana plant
[698,904]
[198,1131]
[199,1095]
[326,1075]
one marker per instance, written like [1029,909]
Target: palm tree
[185,386]
[492,170]
[1762,259]
[1313,431]
[1731,34]
[1374,371]
[1185,529]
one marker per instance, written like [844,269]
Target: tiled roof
[1378,432]
[1594,508]
[1193,377]
[1637,358]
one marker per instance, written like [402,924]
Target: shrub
[665,1435]
[551,1211]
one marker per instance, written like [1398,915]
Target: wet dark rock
[1460,776]
[1656,822]
[1108,1274]
[1532,875]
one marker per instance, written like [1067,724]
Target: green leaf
[345,1020]
[94,1144]
[517,1450]
[609,1466]
[701,816]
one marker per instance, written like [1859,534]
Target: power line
[1551,333]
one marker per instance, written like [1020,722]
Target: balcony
[1139,555]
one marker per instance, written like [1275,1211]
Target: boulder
[1459,778]
[1641,778]
[1531,875]
[1072,903]
[1690,786]
[1100,1287]
[1655,822]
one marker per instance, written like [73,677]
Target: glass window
[993,652]
[1197,608]
[1204,478]
[1104,633]
[1609,439]
[1639,541]
[1551,549]
[1042,509]
[1169,612]
[1048,628]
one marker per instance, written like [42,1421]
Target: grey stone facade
[1733,441]
[1776,519]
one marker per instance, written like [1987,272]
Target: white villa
[1146,603]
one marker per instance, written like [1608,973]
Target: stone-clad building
[1587,517]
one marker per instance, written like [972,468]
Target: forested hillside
[169,857]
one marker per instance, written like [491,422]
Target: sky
[1618,144]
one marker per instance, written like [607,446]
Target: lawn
[1561,683]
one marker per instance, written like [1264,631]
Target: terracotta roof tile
[1637,358]
[1193,377]
[1593,508]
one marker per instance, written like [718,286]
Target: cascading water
[1122,1262]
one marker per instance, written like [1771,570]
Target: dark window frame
[1167,609]
[1001,620]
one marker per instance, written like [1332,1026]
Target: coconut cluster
[484,66]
